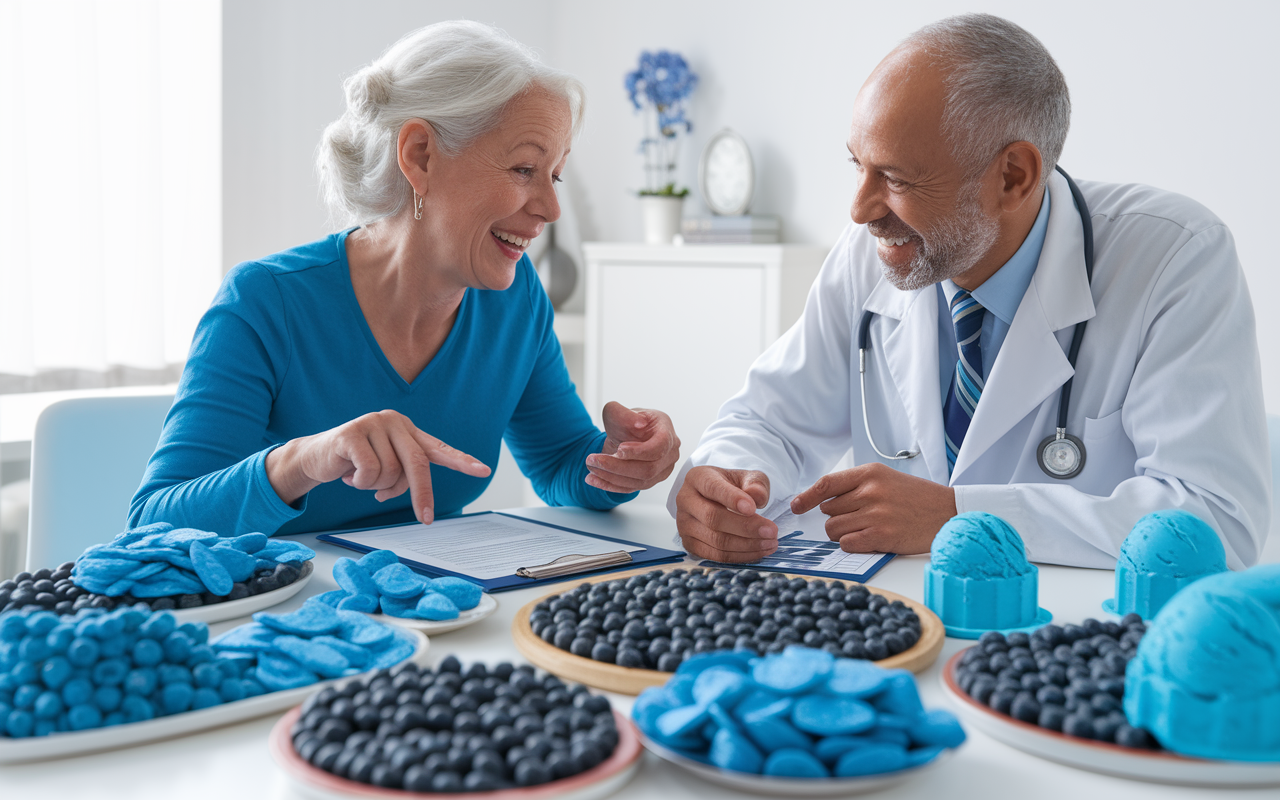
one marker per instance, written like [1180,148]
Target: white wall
[1180,95]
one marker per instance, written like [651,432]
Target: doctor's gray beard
[951,247]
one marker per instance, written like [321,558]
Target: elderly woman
[369,378]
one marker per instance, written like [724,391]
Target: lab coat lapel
[1032,364]
[910,344]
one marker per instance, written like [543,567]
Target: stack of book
[731,230]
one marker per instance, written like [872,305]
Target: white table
[232,763]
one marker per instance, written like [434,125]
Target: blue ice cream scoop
[978,578]
[1206,678]
[1166,551]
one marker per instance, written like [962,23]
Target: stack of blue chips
[379,583]
[160,560]
[316,642]
[799,714]
[95,669]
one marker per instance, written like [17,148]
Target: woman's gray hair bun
[458,76]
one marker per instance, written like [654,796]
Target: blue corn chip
[399,581]
[778,708]
[436,607]
[694,664]
[356,656]
[680,722]
[264,563]
[359,602]
[332,598]
[856,678]
[359,629]
[315,656]
[297,555]
[353,577]
[830,749]
[720,718]
[723,685]
[871,760]
[794,763]
[651,704]
[378,559]
[254,637]
[832,716]
[249,542]
[239,565]
[163,587]
[772,734]
[210,570]
[312,619]
[182,538]
[936,728]
[799,669]
[900,695]
[142,532]
[733,751]
[404,609]
[147,570]
[399,649]
[281,550]
[277,672]
[464,594]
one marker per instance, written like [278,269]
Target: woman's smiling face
[484,205]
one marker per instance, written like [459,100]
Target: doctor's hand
[640,449]
[716,514]
[383,452]
[876,509]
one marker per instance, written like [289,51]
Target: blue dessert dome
[1165,552]
[1206,678]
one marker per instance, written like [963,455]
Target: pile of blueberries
[53,590]
[1067,678]
[455,729]
[659,619]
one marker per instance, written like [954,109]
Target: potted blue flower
[659,88]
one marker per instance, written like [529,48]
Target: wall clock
[726,175]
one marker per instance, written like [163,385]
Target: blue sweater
[285,351]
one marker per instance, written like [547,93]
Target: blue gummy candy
[333,598]
[114,718]
[77,691]
[832,716]
[754,709]
[366,603]
[177,646]
[317,657]
[141,681]
[34,648]
[354,578]
[886,735]
[197,631]
[435,606]
[136,708]
[26,695]
[651,704]
[775,734]
[44,727]
[12,628]
[200,654]
[378,559]
[680,722]
[231,690]
[873,759]
[205,698]
[148,653]
[398,581]
[20,724]
[249,542]
[238,564]
[108,698]
[360,630]
[146,570]
[110,671]
[158,626]
[113,646]
[183,538]
[829,749]
[83,652]
[733,751]
[176,698]
[60,638]
[284,551]
[48,705]
[856,678]
[83,717]
[356,656]
[277,672]
[396,650]
[464,594]
[206,675]
[936,728]
[254,637]
[795,672]
[55,672]
[41,622]
[900,695]
[212,573]
[794,763]
[740,660]
[251,687]
[723,685]
[923,755]
[310,620]
[405,609]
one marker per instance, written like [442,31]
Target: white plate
[785,787]
[231,609]
[59,745]
[1156,766]
[484,608]
[600,781]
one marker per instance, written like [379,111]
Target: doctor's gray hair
[1002,87]
[458,76]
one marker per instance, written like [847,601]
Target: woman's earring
[417,205]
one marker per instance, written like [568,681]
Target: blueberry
[603,651]
[1129,736]
[1002,701]
[531,772]
[1051,694]
[1025,707]
[1078,725]
[982,688]
[1105,728]
[1052,717]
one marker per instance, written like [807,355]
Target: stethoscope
[1061,455]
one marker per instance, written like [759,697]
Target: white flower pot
[661,215]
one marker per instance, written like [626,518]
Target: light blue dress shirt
[1000,295]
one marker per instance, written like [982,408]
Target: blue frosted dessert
[1206,678]
[978,578]
[1166,551]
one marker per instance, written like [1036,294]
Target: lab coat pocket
[1109,455]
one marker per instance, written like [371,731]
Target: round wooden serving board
[631,680]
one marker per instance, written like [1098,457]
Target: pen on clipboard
[568,565]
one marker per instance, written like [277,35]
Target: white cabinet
[676,327]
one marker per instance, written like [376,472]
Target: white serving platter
[786,787]
[61,745]
[232,609]
[1155,766]
[600,781]
[484,608]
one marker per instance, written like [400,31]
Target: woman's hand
[640,449]
[383,452]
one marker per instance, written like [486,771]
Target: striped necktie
[966,382]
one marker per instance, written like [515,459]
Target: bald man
[966,264]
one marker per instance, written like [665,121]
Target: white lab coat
[1167,394]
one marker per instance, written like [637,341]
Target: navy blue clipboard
[649,556]
[791,558]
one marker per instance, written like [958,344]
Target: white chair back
[88,456]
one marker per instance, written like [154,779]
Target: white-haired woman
[397,355]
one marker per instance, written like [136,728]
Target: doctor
[963,231]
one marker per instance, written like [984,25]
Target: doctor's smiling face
[933,220]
